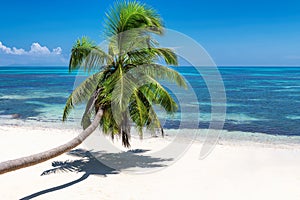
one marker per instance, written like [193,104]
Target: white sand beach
[234,170]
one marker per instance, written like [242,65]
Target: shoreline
[199,135]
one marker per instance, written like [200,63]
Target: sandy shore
[231,171]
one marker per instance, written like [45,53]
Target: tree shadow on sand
[89,163]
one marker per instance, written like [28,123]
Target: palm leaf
[156,93]
[82,93]
[125,16]
[139,110]
[156,71]
[90,107]
[85,53]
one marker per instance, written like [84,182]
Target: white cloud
[36,55]
[35,49]
[18,51]
[57,50]
[5,49]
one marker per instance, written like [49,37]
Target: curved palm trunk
[34,159]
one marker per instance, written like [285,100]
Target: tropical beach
[147,112]
[234,170]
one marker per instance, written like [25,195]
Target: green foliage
[124,16]
[82,93]
[126,85]
[87,55]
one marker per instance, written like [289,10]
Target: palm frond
[90,107]
[87,55]
[123,87]
[96,59]
[82,93]
[167,54]
[139,110]
[130,15]
[108,124]
[138,15]
[151,54]
[142,113]
[154,121]
[130,41]
[79,51]
[157,71]
[157,94]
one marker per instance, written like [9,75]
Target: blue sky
[233,32]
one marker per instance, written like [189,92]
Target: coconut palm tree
[123,88]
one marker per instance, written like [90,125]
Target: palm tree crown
[124,85]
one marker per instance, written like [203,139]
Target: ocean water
[258,99]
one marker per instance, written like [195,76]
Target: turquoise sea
[259,99]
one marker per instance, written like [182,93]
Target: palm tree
[124,86]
